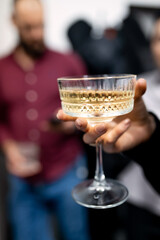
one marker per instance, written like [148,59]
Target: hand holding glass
[99,99]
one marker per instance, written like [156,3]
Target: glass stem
[99,174]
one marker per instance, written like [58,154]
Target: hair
[15,1]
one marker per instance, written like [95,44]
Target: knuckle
[85,139]
[109,139]
[88,139]
[118,131]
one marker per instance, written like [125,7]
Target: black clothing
[140,224]
[147,155]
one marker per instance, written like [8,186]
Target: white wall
[60,13]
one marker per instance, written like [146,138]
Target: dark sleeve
[147,156]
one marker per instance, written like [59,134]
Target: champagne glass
[99,99]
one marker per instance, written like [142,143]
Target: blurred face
[155,44]
[29,21]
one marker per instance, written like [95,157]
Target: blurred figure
[136,46]
[102,54]
[125,51]
[144,208]
[44,156]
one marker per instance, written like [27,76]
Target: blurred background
[131,20]
[61,14]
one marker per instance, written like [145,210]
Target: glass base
[105,194]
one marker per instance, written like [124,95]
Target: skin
[124,132]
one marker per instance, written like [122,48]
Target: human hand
[17,164]
[124,132]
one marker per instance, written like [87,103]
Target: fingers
[82,124]
[111,137]
[64,117]
[94,132]
[108,133]
[141,87]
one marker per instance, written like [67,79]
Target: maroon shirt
[28,98]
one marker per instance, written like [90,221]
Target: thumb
[141,87]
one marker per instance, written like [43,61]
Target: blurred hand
[124,132]
[17,164]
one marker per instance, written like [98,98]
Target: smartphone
[53,121]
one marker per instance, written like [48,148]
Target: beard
[35,49]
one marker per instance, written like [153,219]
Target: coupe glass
[99,99]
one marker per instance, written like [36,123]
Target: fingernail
[58,115]
[79,122]
[101,128]
[127,121]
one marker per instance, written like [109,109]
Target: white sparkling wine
[96,104]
